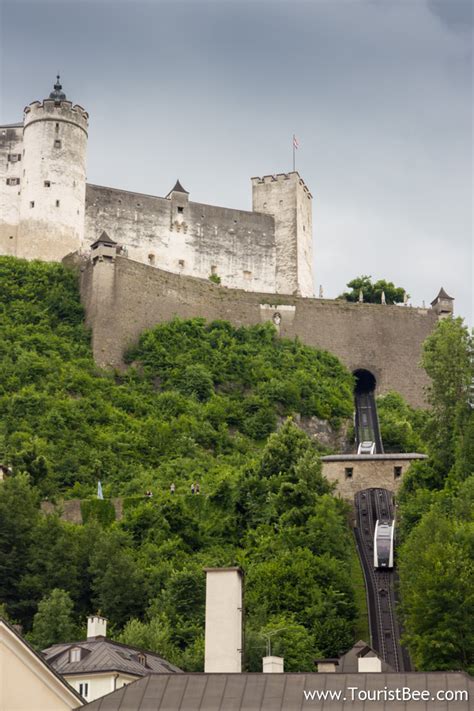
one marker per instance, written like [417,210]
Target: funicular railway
[374,505]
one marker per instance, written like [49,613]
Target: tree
[19,514]
[436,566]
[446,359]
[54,621]
[372,293]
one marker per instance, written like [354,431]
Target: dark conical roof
[58,93]
[442,295]
[178,188]
[104,239]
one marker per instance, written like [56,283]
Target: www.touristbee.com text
[353,693]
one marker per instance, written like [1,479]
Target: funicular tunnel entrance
[368,439]
[365,382]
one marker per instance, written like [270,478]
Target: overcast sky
[378,92]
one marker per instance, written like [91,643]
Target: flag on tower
[296,145]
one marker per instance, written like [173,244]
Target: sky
[378,92]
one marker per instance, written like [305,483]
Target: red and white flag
[295,142]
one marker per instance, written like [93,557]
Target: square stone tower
[287,198]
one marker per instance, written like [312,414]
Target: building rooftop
[441,295]
[102,654]
[349,662]
[366,457]
[285,692]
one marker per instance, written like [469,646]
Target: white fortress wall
[186,237]
[11,174]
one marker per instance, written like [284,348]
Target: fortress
[145,259]
[48,211]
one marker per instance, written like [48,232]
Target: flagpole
[294,162]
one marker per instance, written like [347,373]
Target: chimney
[223,636]
[369,664]
[273,665]
[96,626]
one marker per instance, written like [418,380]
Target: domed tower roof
[58,94]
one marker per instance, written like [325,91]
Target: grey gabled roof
[349,662]
[276,692]
[99,655]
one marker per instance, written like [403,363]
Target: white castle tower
[49,186]
[287,198]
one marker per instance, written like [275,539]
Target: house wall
[100,683]
[26,683]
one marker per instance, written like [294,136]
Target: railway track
[373,504]
[366,420]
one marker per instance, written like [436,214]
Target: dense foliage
[200,403]
[403,428]
[205,393]
[436,559]
[372,292]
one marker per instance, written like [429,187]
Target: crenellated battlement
[280,178]
[51,110]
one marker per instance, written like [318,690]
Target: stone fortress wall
[123,297]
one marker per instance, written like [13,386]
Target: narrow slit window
[32,203]
[57,128]
[57,143]
[57,203]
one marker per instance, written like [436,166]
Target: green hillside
[200,403]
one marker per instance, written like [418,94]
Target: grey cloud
[456,15]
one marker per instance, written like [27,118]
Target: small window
[181,262]
[13,157]
[141,659]
[13,181]
[213,270]
[57,143]
[397,472]
[32,203]
[84,689]
[151,258]
[57,203]
[47,183]
[75,654]
[180,210]
[56,128]
[348,471]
